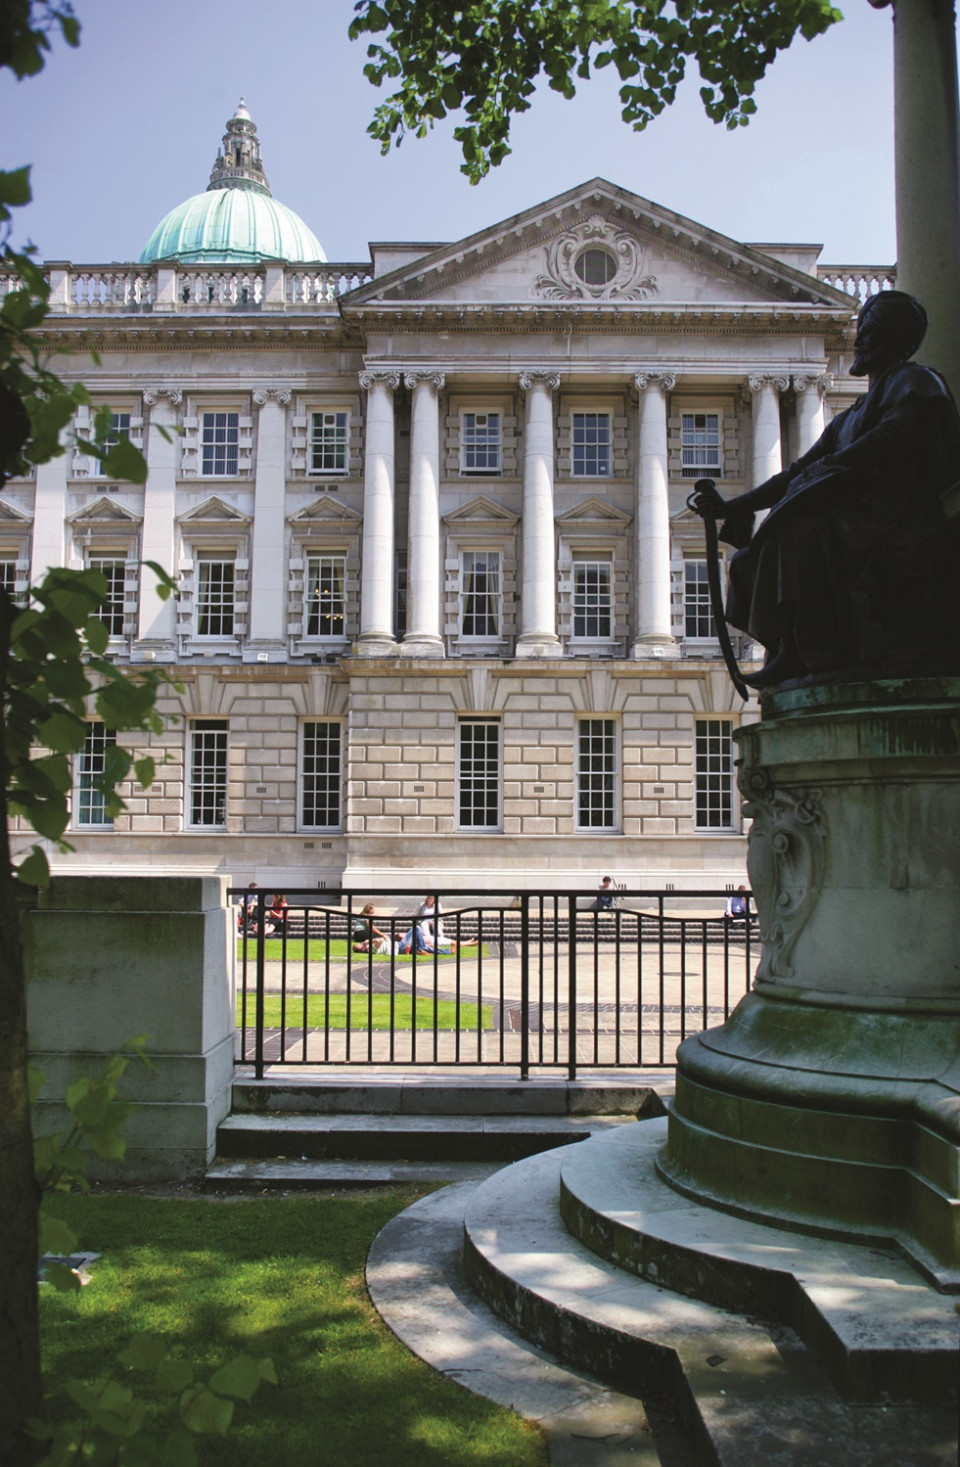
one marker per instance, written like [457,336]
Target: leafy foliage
[25,29]
[486,58]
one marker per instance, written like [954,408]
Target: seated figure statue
[854,570]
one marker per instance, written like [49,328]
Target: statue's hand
[706,501]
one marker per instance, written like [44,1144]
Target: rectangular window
[480,443]
[8,576]
[478,774]
[208,772]
[480,593]
[596,774]
[215,598]
[592,598]
[714,788]
[321,776]
[119,428]
[219,443]
[91,802]
[111,610]
[326,603]
[700,445]
[590,446]
[329,443]
[698,623]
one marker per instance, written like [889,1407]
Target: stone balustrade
[859,281]
[100,289]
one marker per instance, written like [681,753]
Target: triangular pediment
[104,511]
[325,511]
[215,511]
[594,513]
[597,245]
[481,511]
[13,518]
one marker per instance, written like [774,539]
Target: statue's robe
[857,558]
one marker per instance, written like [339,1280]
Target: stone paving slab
[291,1173]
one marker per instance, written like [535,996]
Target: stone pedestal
[830,1100]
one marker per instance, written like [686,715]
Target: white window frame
[199,784]
[204,605]
[89,803]
[715,795]
[701,458]
[334,778]
[592,779]
[584,558]
[473,423]
[697,607]
[493,597]
[333,562]
[596,472]
[128,423]
[113,611]
[480,779]
[207,417]
[339,442]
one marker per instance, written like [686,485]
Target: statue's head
[890,328]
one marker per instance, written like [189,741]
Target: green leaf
[125,461]
[238,1378]
[34,869]
[15,187]
[202,1411]
[144,1352]
[55,1236]
[64,1279]
[175,1375]
[145,769]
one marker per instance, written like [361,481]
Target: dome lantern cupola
[237,221]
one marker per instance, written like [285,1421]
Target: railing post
[261,983]
[572,986]
[525,986]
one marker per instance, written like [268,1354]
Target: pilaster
[157,636]
[265,642]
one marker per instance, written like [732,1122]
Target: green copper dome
[236,221]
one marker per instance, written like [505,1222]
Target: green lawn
[365,1012]
[318,951]
[282,1277]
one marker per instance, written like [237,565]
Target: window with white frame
[216,591]
[596,774]
[700,455]
[321,776]
[480,444]
[207,789]
[592,596]
[714,774]
[112,609]
[325,596]
[119,428]
[478,774]
[480,592]
[219,443]
[90,802]
[591,445]
[698,623]
[329,442]
[8,574]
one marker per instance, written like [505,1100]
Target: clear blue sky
[128,126]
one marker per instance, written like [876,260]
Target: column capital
[413,379]
[802,381]
[264,395]
[539,377]
[380,377]
[153,395]
[666,380]
[757,381]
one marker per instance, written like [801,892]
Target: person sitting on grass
[278,912]
[367,937]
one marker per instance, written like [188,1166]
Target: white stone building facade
[442,611]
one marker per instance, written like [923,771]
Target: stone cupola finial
[238,162]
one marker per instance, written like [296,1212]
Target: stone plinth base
[830,1100]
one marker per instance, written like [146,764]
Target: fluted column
[157,632]
[767,450]
[654,625]
[538,612]
[810,415]
[268,577]
[422,637]
[376,637]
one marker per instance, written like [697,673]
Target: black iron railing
[543,980]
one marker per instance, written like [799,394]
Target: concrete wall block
[659,826]
[382,825]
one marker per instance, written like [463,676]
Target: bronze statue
[854,571]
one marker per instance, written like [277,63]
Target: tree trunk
[21,1392]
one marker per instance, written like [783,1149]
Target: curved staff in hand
[707,503]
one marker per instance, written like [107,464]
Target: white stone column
[654,623]
[928,172]
[538,614]
[767,448]
[810,415]
[423,637]
[50,508]
[268,575]
[157,635]
[376,637]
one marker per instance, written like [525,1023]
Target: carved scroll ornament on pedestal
[785,861]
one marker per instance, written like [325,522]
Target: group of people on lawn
[425,933]
[275,917]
